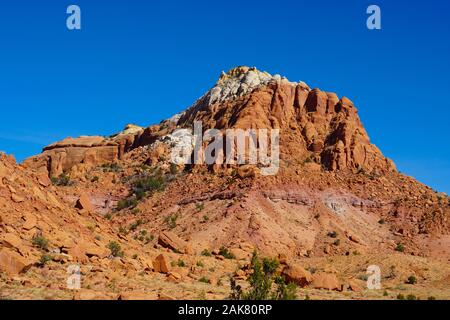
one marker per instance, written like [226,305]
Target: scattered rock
[168,239]
[160,264]
[325,281]
[298,275]
[13,263]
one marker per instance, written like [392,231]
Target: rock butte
[335,205]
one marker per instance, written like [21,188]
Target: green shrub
[136,224]
[127,203]
[431,298]
[206,253]
[63,180]
[111,167]
[400,297]
[411,280]
[171,220]
[265,283]
[411,297]
[200,264]
[225,253]
[40,242]
[45,258]
[173,168]
[200,206]
[204,280]
[181,263]
[148,184]
[116,250]
[400,248]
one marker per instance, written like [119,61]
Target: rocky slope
[335,200]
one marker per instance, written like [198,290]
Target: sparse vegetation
[200,264]
[265,283]
[204,280]
[40,242]
[400,248]
[411,297]
[206,253]
[400,297]
[63,180]
[173,168]
[116,250]
[136,224]
[181,263]
[111,167]
[199,206]
[224,252]
[171,220]
[411,280]
[45,258]
[127,203]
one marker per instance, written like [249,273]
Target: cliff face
[313,124]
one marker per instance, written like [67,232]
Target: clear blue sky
[138,61]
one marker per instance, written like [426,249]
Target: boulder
[160,264]
[168,239]
[13,263]
[296,274]
[84,203]
[325,281]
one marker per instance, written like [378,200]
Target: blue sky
[140,61]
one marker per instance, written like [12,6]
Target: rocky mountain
[335,203]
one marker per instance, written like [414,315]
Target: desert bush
[411,280]
[171,220]
[200,206]
[45,258]
[206,253]
[111,167]
[400,248]
[127,203]
[116,250]
[226,254]
[63,180]
[204,280]
[40,242]
[265,283]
